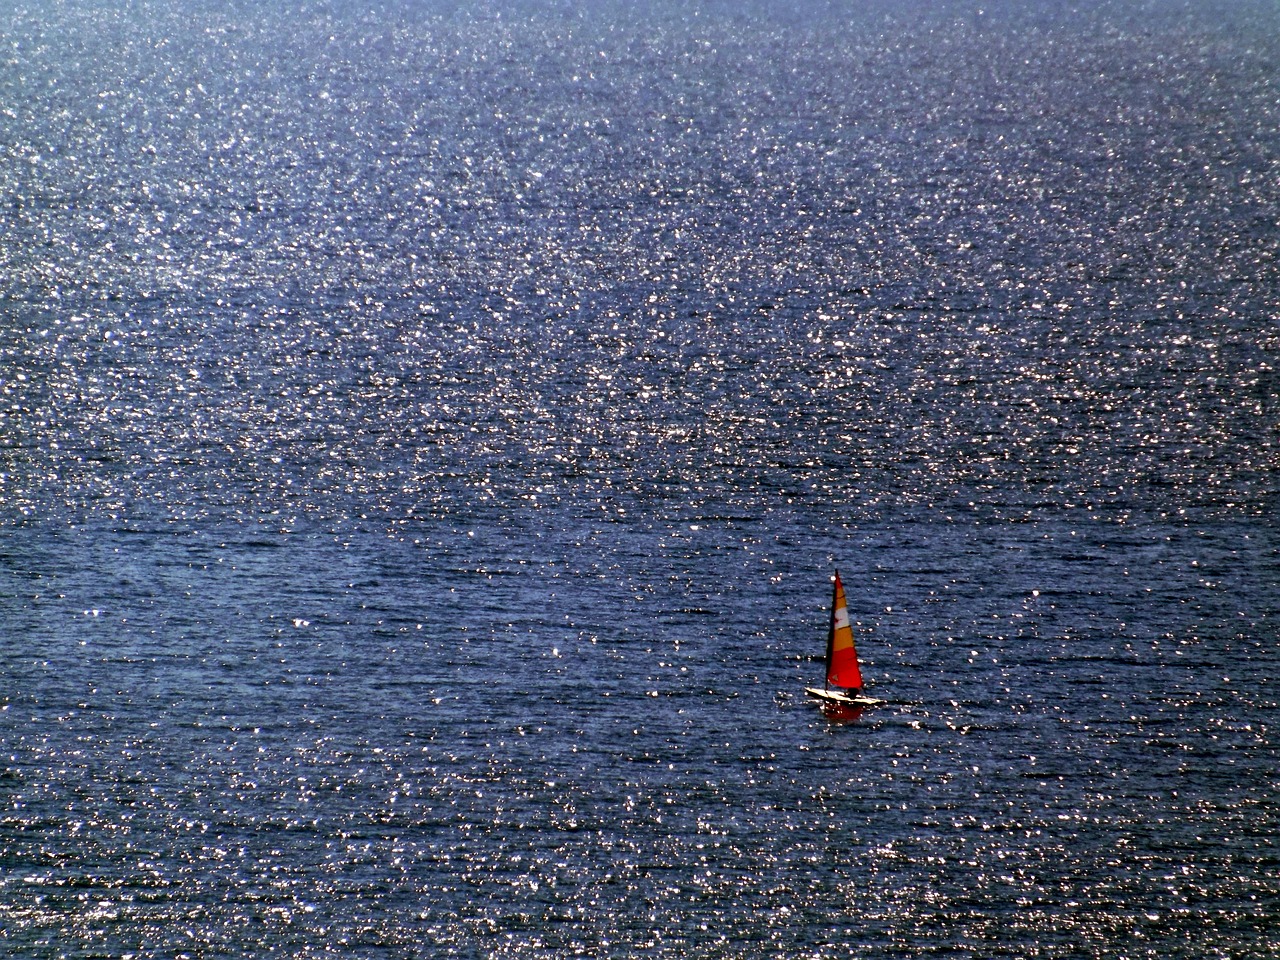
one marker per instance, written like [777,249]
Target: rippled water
[426,434]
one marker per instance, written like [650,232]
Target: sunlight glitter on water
[426,435]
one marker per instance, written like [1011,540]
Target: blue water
[427,433]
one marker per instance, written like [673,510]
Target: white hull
[840,699]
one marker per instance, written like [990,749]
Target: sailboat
[841,695]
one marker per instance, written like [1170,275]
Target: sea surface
[428,432]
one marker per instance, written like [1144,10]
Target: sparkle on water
[426,432]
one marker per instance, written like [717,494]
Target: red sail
[842,657]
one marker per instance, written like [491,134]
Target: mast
[831,628]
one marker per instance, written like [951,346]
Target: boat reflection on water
[842,713]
